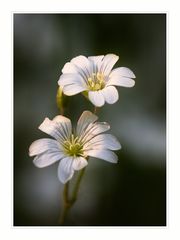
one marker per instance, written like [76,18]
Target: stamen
[96,81]
[73,147]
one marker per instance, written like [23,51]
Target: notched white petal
[47,158]
[107,63]
[96,61]
[123,72]
[93,130]
[121,81]
[79,163]
[71,78]
[83,64]
[50,128]
[61,119]
[96,98]
[103,141]
[41,145]
[110,94]
[73,89]
[85,119]
[69,68]
[100,127]
[106,155]
[65,169]
[60,127]
[64,125]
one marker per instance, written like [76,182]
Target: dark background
[130,193]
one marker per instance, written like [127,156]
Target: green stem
[76,187]
[65,204]
[60,100]
[68,203]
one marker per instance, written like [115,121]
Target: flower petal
[62,119]
[72,83]
[108,63]
[96,60]
[64,125]
[106,155]
[110,94]
[96,98]
[85,119]
[103,141]
[79,163]
[47,158]
[60,127]
[73,89]
[71,78]
[123,72]
[65,169]
[99,127]
[84,65]
[41,145]
[69,68]
[50,128]
[121,81]
[93,130]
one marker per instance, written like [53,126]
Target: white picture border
[7,8]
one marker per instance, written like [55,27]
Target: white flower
[73,147]
[94,76]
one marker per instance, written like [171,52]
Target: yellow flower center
[73,147]
[96,82]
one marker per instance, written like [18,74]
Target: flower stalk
[62,101]
[68,203]
[77,185]
[59,100]
[65,204]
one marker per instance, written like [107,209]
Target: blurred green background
[130,193]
